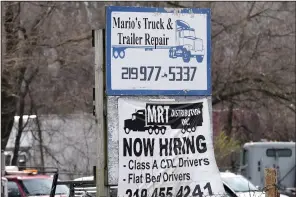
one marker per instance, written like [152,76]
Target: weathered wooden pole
[270,182]
[99,113]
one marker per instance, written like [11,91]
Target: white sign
[154,51]
[165,149]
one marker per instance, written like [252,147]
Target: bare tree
[253,57]
[49,59]
[25,60]
[8,93]
[20,59]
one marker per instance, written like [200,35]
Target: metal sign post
[158,85]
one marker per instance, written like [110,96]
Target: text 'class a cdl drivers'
[167,163]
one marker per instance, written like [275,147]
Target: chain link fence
[87,188]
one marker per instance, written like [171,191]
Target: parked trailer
[256,156]
[187,45]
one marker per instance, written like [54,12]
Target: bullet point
[123,179]
[124,165]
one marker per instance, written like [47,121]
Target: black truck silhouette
[138,121]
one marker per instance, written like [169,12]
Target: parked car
[242,186]
[30,184]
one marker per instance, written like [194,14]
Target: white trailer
[256,156]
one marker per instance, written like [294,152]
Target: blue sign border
[110,92]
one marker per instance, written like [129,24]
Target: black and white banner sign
[165,149]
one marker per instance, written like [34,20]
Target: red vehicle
[28,183]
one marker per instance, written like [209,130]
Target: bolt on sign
[165,149]
[158,51]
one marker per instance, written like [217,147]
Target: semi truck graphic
[187,45]
[139,123]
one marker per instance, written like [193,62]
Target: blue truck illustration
[187,45]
